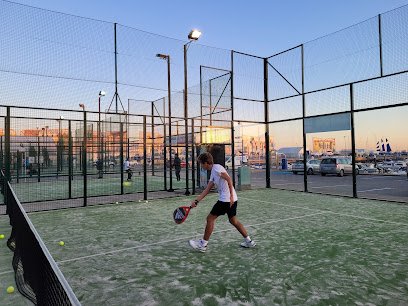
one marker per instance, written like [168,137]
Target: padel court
[311,250]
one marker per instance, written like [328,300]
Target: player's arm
[225,176]
[203,194]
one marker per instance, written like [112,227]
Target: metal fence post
[7,161]
[193,179]
[38,159]
[70,159]
[353,144]
[380,44]
[152,133]
[1,153]
[121,156]
[144,159]
[303,121]
[266,110]
[164,151]
[232,119]
[84,157]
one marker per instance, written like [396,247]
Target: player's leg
[247,243]
[218,209]
[201,244]
[209,228]
[238,225]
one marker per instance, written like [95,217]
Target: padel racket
[181,213]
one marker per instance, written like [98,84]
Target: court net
[37,276]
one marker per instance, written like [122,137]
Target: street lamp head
[194,35]
[162,56]
[102,93]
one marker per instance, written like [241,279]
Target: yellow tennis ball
[61,243]
[127,184]
[116,202]
[10,289]
[1,236]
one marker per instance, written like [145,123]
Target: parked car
[336,165]
[239,160]
[367,168]
[400,164]
[386,166]
[312,166]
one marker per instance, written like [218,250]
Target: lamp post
[101,94]
[192,36]
[167,58]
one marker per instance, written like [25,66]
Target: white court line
[374,177]
[386,188]
[289,184]
[330,212]
[178,239]
[329,186]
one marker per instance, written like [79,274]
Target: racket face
[180,214]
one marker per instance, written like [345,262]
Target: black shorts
[222,208]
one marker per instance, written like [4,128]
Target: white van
[239,160]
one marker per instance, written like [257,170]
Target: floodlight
[102,93]
[194,35]
[162,56]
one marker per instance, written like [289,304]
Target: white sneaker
[197,245]
[246,244]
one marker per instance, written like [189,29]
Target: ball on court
[147,201]
[10,289]
[127,184]
[1,236]
[61,243]
[140,201]
[116,202]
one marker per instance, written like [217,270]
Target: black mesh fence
[37,276]
[55,149]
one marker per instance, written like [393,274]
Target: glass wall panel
[250,152]
[382,153]
[329,165]
[286,147]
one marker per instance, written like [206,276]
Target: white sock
[247,239]
[203,242]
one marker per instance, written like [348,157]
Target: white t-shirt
[221,184]
[126,165]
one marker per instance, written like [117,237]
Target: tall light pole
[101,94]
[192,36]
[167,58]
